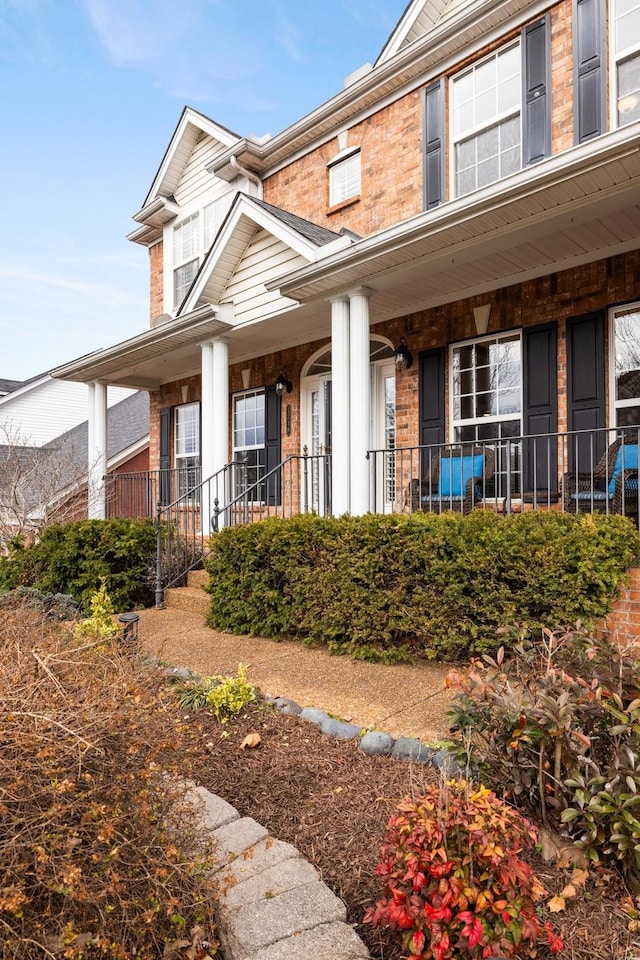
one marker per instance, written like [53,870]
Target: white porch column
[97,451]
[340,406]
[360,396]
[215,425]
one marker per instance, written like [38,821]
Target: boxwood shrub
[387,587]
[74,558]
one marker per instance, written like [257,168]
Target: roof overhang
[576,207]
[470,27]
[152,218]
[154,357]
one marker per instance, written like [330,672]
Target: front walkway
[400,700]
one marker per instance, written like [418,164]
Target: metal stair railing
[183,527]
[301,483]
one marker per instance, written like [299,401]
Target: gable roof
[189,128]
[246,215]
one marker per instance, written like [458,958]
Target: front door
[316,433]
[320,445]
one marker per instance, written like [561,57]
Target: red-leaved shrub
[454,883]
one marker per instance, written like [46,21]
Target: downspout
[254,178]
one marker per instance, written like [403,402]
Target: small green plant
[100,625]
[454,882]
[226,696]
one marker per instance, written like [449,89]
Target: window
[486,106]
[344,179]
[186,250]
[487,401]
[626,386]
[212,216]
[187,448]
[627,60]
[249,442]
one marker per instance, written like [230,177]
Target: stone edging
[372,742]
[273,904]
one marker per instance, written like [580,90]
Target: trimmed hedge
[387,587]
[74,558]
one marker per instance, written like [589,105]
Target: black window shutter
[273,438]
[165,456]
[589,75]
[433,145]
[536,94]
[585,388]
[431,402]
[540,390]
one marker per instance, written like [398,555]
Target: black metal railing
[299,484]
[585,471]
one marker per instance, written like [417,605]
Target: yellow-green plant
[226,696]
[100,624]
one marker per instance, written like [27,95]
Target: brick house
[441,261]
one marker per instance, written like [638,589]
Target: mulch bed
[332,802]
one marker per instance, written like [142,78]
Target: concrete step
[197,578]
[189,599]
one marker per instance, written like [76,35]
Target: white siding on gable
[266,258]
[195,181]
[41,413]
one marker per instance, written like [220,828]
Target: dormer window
[186,257]
[344,177]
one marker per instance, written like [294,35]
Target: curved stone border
[273,905]
[372,742]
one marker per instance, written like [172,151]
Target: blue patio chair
[612,485]
[456,480]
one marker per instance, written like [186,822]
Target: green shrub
[557,724]
[454,882]
[386,587]
[74,558]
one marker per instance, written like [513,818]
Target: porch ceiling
[559,214]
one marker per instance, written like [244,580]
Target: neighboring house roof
[127,427]
[8,386]
[53,470]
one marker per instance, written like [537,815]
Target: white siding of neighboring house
[36,414]
[265,258]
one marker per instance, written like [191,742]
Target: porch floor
[403,700]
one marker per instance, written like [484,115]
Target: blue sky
[90,93]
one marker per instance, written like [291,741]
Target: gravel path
[402,700]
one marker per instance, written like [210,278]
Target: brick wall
[553,298]
[391,152]
[156,290]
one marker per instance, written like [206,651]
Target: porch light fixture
[283,385]
[404,357]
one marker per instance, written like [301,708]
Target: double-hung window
[249,450]
[486,378]
[627,60]
[486,109]
[344,178]
[186,256]
[187,448]
[625,334]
